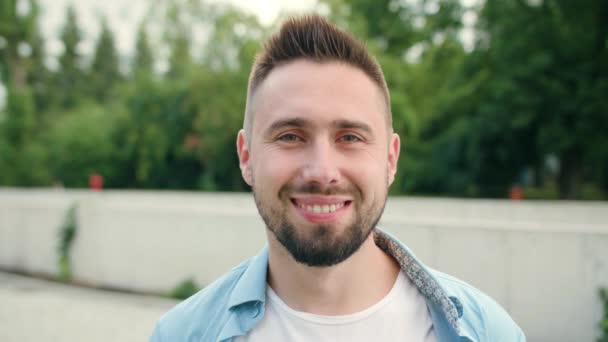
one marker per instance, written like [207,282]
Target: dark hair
[312,37]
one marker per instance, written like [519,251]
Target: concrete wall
[543,261]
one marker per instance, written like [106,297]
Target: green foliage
[548,192]
[70,81]
[184,289]
[545,71]
[143,62]
[603,293]
[24,158]
[153,136]
[16,29]
[472,122]
[82,142]
[104,73]
[67,233]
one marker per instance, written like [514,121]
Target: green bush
[185,289]
[67,233]
[588,192]
[604,321]
[81,142]
[547,192]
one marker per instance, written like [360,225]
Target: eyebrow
[349,124]
[302,123]
[291,122]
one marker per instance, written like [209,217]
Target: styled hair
[314,38]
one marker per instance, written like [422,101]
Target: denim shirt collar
[251,287]
[247,300]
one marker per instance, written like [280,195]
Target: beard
[320,245]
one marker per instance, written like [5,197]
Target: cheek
[368,167]
[371,177]
[273,170]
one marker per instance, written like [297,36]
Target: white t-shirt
[402,315]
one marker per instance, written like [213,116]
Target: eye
[289,137]
[350,138]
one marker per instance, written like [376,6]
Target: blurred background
[150,94]
[494,100]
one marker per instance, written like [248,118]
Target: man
[319,151]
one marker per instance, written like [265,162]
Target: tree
[395,26]
[16,29]
[143,62]
[178,38]
[22,158]
[39,76]
[70,76]
[22,52]
[83,141]
[547,72]
[104,73]
[233,41]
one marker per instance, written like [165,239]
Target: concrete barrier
[543,261]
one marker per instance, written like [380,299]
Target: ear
[393,156]
[243,151]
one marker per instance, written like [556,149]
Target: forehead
[319,92]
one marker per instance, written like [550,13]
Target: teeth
[321,209]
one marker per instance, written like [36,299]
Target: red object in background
[96,182]
[516,193]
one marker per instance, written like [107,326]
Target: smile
[320,209]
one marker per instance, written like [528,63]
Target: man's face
[320,158]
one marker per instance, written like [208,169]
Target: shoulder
[200,313]
[481,316]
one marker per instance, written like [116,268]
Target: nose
[321,166]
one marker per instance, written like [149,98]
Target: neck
[348,287]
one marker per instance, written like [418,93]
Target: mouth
[321,209]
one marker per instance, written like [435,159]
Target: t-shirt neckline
[336,319]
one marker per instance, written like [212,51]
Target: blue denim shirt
[233,305]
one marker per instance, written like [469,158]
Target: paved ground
[38,310]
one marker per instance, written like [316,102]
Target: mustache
[317,189]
